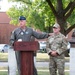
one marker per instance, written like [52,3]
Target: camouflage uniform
[59,44]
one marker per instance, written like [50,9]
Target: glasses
[55,28]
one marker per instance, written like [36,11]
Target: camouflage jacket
[58,43]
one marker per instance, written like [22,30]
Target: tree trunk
[63,25]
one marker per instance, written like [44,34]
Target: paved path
[38,64]
[3,64]
[45,64]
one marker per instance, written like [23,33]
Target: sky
[5,5]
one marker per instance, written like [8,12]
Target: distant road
[38,64]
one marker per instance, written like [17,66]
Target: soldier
[24,33]
[56,46]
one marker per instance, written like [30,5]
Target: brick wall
[5,28]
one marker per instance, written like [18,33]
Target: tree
[62,13]
[27,10]
[44,13]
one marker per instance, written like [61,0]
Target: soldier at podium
[24,33]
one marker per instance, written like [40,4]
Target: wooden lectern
[27,53]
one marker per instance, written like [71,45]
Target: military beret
[22,18]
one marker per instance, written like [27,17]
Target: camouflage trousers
[56,65]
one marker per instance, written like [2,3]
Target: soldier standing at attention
[56,46]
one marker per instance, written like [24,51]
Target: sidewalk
[38,64]
[40,70]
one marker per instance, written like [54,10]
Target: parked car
[68,50]
[4,48]
[42,46]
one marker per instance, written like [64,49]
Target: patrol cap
[22,18]
[56,25]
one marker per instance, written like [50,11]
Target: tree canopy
[43,14]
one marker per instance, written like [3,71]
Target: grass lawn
[45,71]
[39,73]
[3,56]
[40,57]
[3,73]
[45,57]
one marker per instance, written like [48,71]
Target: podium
[27,55]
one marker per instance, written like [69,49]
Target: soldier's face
[56,30]
[22,23]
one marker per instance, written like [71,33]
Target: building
[5,28]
